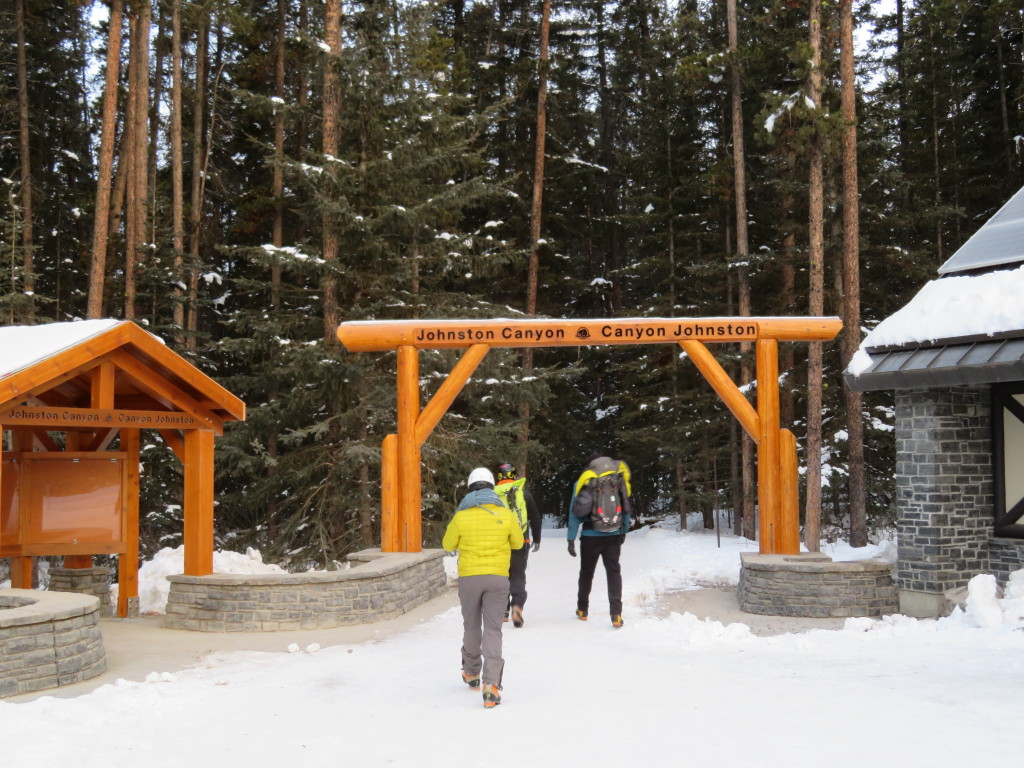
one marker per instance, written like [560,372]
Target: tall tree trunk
[787,352]
[127,161]
[851,278]
[196,203]
[940,250]
[816,233]
[137,151]
[177,176]
[1004,112]
[154,117]
[105,171]
[742,250]
[142,137]
[901,108]
[331,142]
[536,212]
[278,178]
[27,266]
[273,447]
[538,161]
[117,193]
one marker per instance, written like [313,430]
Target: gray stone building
[954,355]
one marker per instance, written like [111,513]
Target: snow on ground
[672,691]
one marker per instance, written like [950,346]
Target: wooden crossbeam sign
[381,335]
[60,418]
[401,502]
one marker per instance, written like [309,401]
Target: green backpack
[512,494]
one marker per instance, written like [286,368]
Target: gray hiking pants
[483,610]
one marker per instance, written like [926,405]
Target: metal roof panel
[1000,240]
[976,363]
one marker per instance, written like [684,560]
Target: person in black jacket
[519,499]
[599,541]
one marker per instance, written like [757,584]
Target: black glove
[536,546]
[572,548]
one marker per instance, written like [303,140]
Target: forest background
[239,177]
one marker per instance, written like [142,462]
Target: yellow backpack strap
[624,471]
[583,480]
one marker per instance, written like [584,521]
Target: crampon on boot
[472,680]
[492,697]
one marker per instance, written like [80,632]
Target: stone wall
[379,586]
[48,640]
[85,581]
[813,586]
[945,493]
[1004,557]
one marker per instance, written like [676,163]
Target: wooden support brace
[101,440]
[43,439]
[446,393]
[174,440]
[719,380]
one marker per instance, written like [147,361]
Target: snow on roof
[25,345]
[951,308]
[999,241]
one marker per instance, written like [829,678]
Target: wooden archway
[401,530]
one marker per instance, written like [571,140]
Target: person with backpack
[600,502]
[484,532]
[519,499]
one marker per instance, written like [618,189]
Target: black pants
[517,576]
[606,548]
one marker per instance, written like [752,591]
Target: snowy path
[675,691]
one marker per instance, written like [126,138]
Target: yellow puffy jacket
[485,536]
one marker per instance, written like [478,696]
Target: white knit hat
[480,475]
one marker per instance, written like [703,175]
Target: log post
[198,502]
[128,563]
[788,537]
[409,490]
[389,539]
[768,464]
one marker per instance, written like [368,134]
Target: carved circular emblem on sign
[582,333]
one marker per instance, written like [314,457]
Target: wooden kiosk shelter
[67,390]
[779,528]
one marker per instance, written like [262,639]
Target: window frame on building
[1009,518]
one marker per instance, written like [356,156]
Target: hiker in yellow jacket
[484,532]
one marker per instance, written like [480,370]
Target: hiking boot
[517,616]
[506,615]
[581,615]
[472,680]
[617,621]
[491,696]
